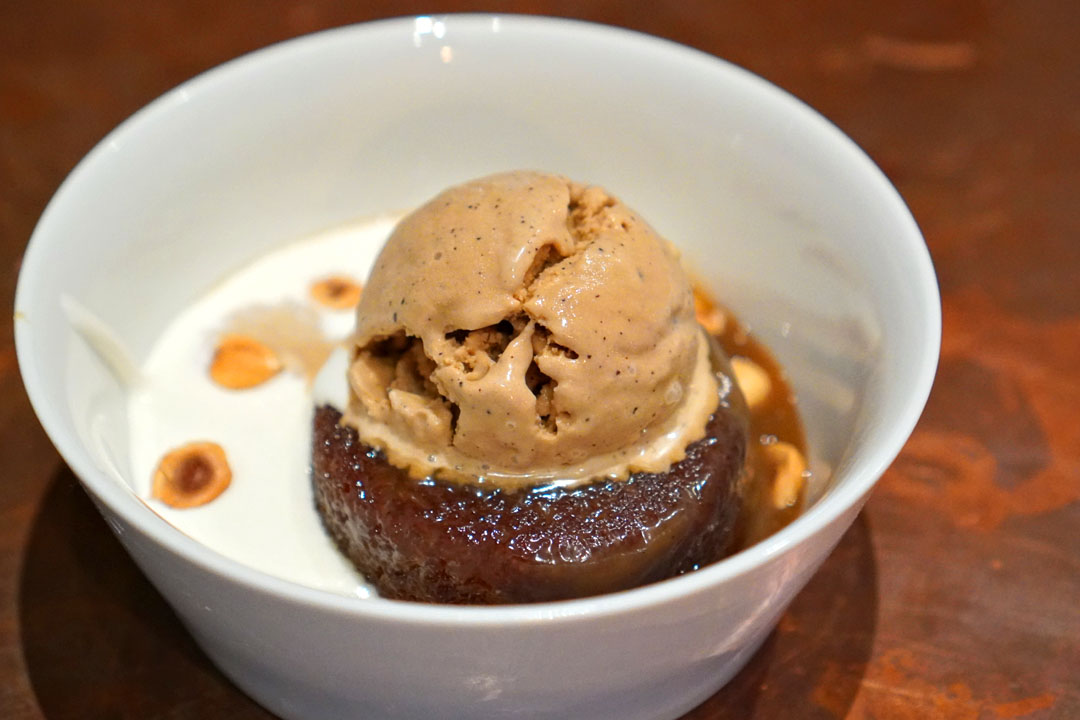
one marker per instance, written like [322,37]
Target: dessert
[535,412]
[267,519]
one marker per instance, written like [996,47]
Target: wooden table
[957,592]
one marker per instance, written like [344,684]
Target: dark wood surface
[957,592]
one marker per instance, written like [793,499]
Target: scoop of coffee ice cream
[521,328]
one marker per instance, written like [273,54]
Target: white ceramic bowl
[781,214]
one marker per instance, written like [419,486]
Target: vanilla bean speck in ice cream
[522,328]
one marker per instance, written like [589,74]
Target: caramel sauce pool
[776,418]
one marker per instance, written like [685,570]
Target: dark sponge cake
[431,541]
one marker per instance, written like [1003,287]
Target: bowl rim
[860,476]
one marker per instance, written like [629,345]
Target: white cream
[266,519]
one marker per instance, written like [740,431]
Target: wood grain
[955,593]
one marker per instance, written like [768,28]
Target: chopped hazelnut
[191,475]
[708,314]
[337,292]
[753,381]
[790,468]
[242,362]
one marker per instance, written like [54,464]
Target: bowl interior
[779,214]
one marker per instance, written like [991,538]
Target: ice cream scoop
[522,328]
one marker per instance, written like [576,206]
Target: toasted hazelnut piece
[191,475]
[752,379]
[790,468]
[242,362]
[711,317]
[337,292]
